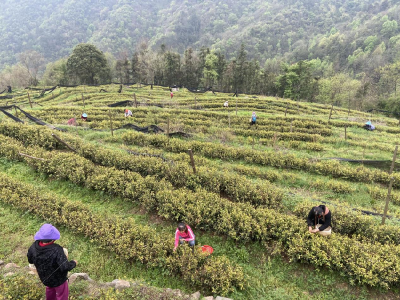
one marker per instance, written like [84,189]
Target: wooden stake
[291,126]
[330,114]
[83,100]
[62,142]
[345,133]
[29,97]
[134,97]
[390,186]
[111,126]
[286,109]
[192,160]
[229,118]
[195,101]
[26,155]
[16,113]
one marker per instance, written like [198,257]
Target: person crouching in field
[128,113]
[184,234]
[51,263]
[321,218]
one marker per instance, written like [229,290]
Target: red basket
[207,248]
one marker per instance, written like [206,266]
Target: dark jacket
[51,263]
[325,221]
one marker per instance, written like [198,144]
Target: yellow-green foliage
[128,239]
[353,223]
[21,287]
[236,187]
[334,185]
[378,193]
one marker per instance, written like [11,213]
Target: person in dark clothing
[51,263]
[321,218]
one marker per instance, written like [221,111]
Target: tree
[33,62]
[240,69]
[189,68]
[56,73]
[88,65]
[210,72]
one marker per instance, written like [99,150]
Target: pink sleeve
[191,235]
[176,238]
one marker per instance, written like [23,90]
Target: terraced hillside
[117,193]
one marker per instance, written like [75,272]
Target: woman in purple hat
[51,263]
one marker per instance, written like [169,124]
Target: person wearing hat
[226,104]
[84,117]
[321,218]
[128,113]
[184,234]
[51,263]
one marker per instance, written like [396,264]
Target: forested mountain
[293,30]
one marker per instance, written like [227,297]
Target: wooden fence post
[390,186]
[134,97]
[345,133]
[330,114]
[111,126]
[29,97]
[83,100]
[286,109]
[192,160]
[229,118]
[16,113]
[291,126]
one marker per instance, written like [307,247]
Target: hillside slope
[291,29]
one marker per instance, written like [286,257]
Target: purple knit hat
[47,232]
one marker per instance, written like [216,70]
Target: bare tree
[32,61]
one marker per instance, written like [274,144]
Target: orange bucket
[207,248]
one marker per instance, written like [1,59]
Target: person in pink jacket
[184,234]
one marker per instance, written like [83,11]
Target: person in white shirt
[128,113]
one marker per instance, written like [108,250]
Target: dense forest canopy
[325,51]
[295,30]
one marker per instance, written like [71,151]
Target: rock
[109,284]
[195,296]
[8,274]
[32,273]
[11,266]
[208,298]
[1,262]
[222,298]
[177,293]
[75,276]
[121,284]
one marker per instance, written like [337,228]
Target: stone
[75,276]
[208,298]
[222,298]
[195,296]
[32,273]
[1,262]
[109,284]
[11,266]
[122,284]
[8,274]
